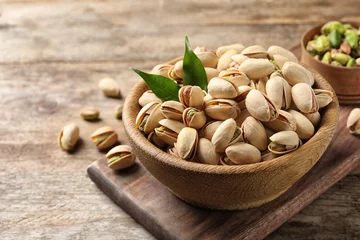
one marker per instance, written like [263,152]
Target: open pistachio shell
[239,59]
[68,137]
[148,97]
[323,97]
[276,74]
[206,152]
[191,96]
[194,118]
[226,134]
[222,88]
[243,153]
[255,51]
[257,68]
[236,47]
[209,129]
[222,109]
[279,91]
[241,117]
[314,118]
[304,98]
[225,60]
[295,73]
[277,50]
[149,116]
[169,130]
[208,59]
[285,122]
[104,137]
[304,128]
[353,121]
[208,98]
[242,93]
[234,76]
[186,144]
[260,106]
[120,157]
[162,69]
[156,140]
[172,110]
[211,73]
[284,142]
[261,84]
[280,60]
[178,69]
[253,132]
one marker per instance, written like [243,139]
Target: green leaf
[163,87]
[194,72]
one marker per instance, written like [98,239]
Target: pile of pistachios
[338,45]
[257,104]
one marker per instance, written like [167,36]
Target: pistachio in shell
[279,91]
[225,60]
[178,69]
[226,134]
[236,47]
[156,140]
[284,142]
[206,152]
[295,73]
[238,59]
[277,50]
[304,128]
[255,51]
[109,87]
[253,132]
[120,157]
[222,109]
[222,88]
[69,136]
[353,121]
[260,106]
[241,117]
[169,130]
[323,97]
[162,69]
[234,76]
[208,59]
[242,93]
[257,68]
[186,144]
[209,129]
[304,98]
[191,96]
[149,116]
[118,111]
[314,118]
[211,73]
[172,110]
[147,97]
[285,122]
[242,153]
[280,60]
[104,137]
[194,118]
[90,113]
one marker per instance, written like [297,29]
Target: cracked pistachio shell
[191,96]
[206,152]
[255,51]
[173,76]
[162,69]
[209,129]
[156,140]
[284,142]
[353,121]
[178,69]
[208,59]
[89,113]
[285,122]
[172,110]
[225,60]
[68,137]
[323,97]
[242,93]
[280,60]
[211,73]
[169,130]
[186,144]
[241,117]
[120,157]
[257,68]
[314,118]
[279,91]
[295,73]
[104,137]
[222,109]
[260,106]
[208,98]
[253,132]
[172,151]
[109,87]
[277,50]
[276,74]
[149,116]
[243,153]
[194,118]
[234,76]
[261,84]
[222,88]
[148,97]
[227,133]
[304,128]
[239,59]
[236,47]
[304,98]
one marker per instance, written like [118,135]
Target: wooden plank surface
[53,54]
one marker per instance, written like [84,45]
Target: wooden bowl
[345,81]
[229,187]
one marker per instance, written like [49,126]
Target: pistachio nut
[109,87]
[332,25]
[242,93]
[261,84]
[162,69]
[335,64]
[118,111]
[280,60]
[172,110]
[284,142]
[322,44]
[169,130]
[178,69]
[172,75]
[89,113]
[267,156]
[149,116]
[260,106]
[295,73]
[353,121]
[211,73]
[323,97]
[352,38]
[208,98]
[191,96]
[209,129]
[277,50]
[222,109]
[172,151]
[304,98]
[238,59]
[304,128]
[345,47]
[208,59]
[148,97]
[225,60]
[234,76]
[186,144]
[194,118]
[253,132]
[199,49]
[241,117]
[68,137]
[104,137]
[276,74]
[326,58]
[236,47]
[279,91]
[206,152]
[357,61]
[314,118]
[222,88]
[255,51]
[257,68]
[120,157]
[351,63]
[226,161]
[156,140]
[341,58]
[226,134]
[285,122]
[242,153]
[335,39]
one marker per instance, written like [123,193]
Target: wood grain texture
[52,56]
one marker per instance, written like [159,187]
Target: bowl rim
[140,140]
[304,51]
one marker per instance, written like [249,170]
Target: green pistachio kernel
[322,44]
[326,58]
[341,58]
[352,38]
[328,27]
[351,63]
[335,38]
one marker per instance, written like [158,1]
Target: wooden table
[52,57]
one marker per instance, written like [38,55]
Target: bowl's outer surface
[345,81]
[229,187]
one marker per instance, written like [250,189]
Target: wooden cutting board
[167,217]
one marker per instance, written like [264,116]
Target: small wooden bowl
[345,81]
[229,187]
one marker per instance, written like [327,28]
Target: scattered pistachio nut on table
[69,136]
[353,121]
[90,113]
[109,87]
[104,137]
[118,111]
[257,105]
[120,157]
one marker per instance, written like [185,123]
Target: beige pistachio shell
[186,144]
[225,60]
[279,91]
[200,49]
[118,111]
[236,47]
[222,109]
[277,50]
[280,60]
[314,118]
[285,122]
[208,98]
[243,153]
[222,88]
[295,73]
[257,68]
[304,128]
[241,117]
[239,59]
[208,59]
[353,121]
[149,116]
[269,133]
[191,96]
[253,132]
[255,51]
[261,84]
[211,73]
[173,76]
[173,125]
[242,93]
[156,140]
[304,98]
[178,69]
[172,110]
[225,161]
[120,157]
[148,97]
[162,69]
[104,137]
[234,76]
[109,87]
[276,74]
[169,130]
[172,151]
[90,113]
[260,106]
[206,152]
[209,129]
[284,142]
[194,118]
[226,134]
[323,97]
[69,136]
